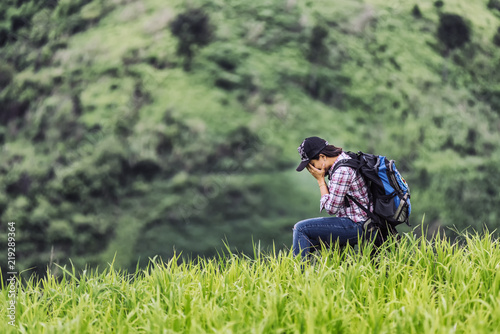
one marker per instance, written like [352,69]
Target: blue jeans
[310,233]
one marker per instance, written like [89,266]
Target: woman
[346,227]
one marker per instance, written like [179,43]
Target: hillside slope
[121,134]
[442,287]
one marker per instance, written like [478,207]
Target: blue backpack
[389,191]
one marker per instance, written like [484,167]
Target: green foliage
[6,75]
[192,29]
[496,38]
[453,32]
[439,4]
[109,146]
[416,12]
[494,5]
[316,43]
[417,286]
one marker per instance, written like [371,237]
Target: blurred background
[138,128]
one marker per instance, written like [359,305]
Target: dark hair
[329,151]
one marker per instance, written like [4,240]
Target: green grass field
[418,287]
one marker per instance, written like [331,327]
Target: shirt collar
[341,156]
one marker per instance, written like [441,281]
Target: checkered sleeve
[338,187]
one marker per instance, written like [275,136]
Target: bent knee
[300,225]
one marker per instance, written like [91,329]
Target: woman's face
[318,163]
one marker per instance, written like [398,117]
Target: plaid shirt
[344,181]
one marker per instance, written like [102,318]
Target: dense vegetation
[136,127]
[419,287]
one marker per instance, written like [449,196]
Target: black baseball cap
[309,148]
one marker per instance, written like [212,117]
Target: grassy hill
[122,135]
[418,287]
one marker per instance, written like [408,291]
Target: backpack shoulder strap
[354,162]
[362,207]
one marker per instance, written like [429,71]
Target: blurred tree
[193,29]
[6,75]
[317,48]
[453,31]
[4,36]
[416,12]
[496,38]
[439,4]
[494,4]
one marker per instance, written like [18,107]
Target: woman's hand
[318,174]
